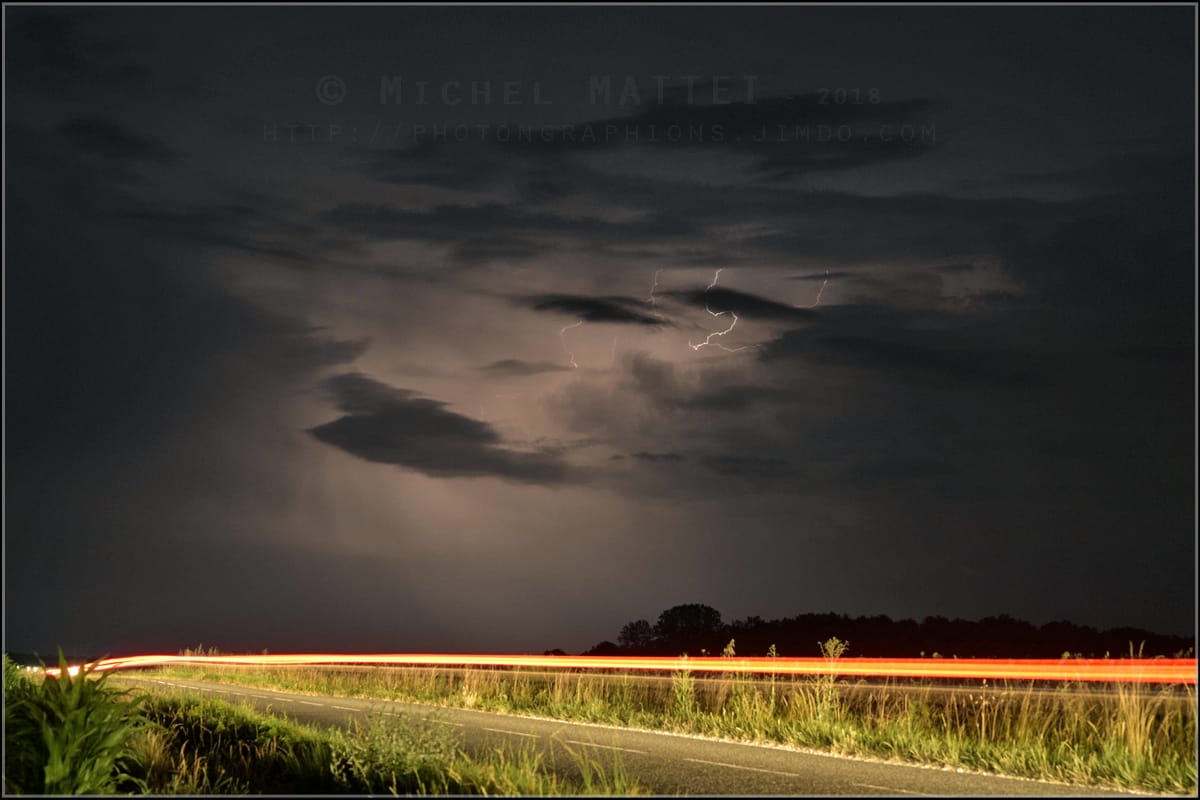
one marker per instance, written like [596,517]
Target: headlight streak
[1115,670]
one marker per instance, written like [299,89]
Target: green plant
[396,756]
[833,648]
[684,686]
[70,734]
[828,705]
[16,679]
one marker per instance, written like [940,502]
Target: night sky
[313,344]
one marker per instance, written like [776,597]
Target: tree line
[697,630]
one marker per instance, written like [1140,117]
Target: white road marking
[605,746]
[346,708]
[890,789]
[305,702]
[750,769]
[444,722]
[514,733]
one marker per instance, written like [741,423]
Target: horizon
[216,648]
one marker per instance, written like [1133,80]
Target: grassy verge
[203,746]
[78,735]
[1137,737]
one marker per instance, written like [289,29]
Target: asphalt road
[661,762]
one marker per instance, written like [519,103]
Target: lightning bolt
[709,339]
[652,298]
[820,291]
[562,335]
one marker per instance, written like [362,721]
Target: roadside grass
[77,735]
[1136,737]
[68,734]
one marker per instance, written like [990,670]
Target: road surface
[663,763]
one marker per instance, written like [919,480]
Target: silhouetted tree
[688,629]
[695,628]
[691,620]
[637,635]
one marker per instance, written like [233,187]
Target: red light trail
[1106,670]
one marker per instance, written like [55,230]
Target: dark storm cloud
[933,356]
[430,163]
[879,339]
[785,160]
[955,269]
[743,304]
[680,216]
[620,310]
[738,398]
[900,468]
[662,384]
[133,345]
[822,276]
[1121,258]
[109,139]
[659,458]
[904,228]
[679,222]
[482,230]
[783,132]
[1137,166]
[386,425]
[750,467]
[237,226]
[515,367]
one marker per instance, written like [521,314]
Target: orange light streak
[1111,670]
